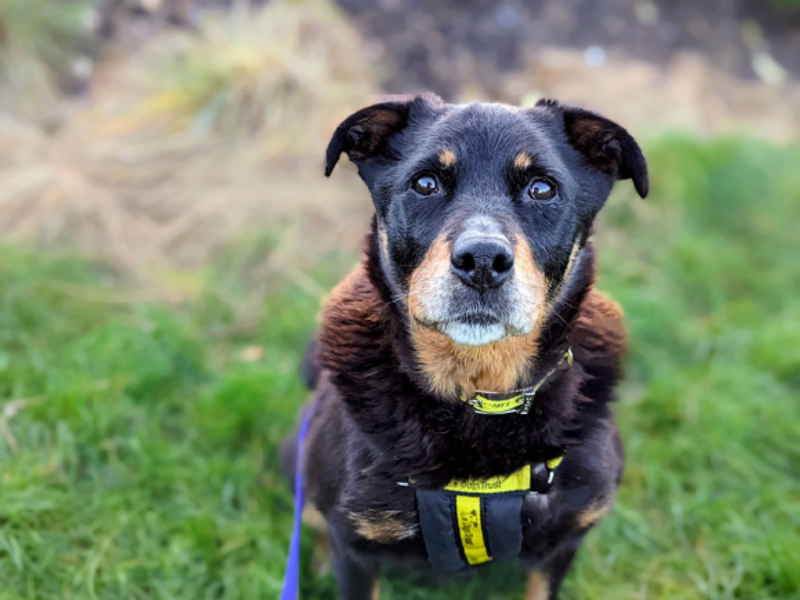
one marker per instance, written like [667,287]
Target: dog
[469,348]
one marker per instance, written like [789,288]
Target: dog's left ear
[606,145]
[364,134]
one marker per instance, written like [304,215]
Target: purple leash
[291,581]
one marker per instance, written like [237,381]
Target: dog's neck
[452,371]
[368,355]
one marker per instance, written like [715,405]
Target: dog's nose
[482,261]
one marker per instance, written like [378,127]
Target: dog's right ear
[365,134]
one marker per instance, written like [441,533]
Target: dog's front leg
[545,579]
[356,576]
[355,582]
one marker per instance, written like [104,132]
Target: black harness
[470,523]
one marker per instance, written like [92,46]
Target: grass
[138,459]
[280,65]
[38,39]
[789,4]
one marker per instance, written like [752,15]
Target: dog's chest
[462,525]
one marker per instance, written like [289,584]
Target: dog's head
[482,209]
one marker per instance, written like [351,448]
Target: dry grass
[200,141]
[210,143]
[686,94]
[255,72]
[38,40]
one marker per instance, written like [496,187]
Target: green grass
[143,464]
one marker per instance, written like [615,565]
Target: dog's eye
[541,189]
[425,185]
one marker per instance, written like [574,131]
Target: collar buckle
[528,395]
[475,403]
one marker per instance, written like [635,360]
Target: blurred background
[167,237]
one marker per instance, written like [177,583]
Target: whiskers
[400,297]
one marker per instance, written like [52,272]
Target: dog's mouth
[476,329]
[478,319]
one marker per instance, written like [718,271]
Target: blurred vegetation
[195,139]
[280,65]
[138,445]
[795,4]
[39,40]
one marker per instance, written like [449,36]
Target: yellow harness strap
[470,509]
[470,529]
[516,482]
[471,522]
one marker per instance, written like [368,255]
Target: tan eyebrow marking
[447,158]
[523,160]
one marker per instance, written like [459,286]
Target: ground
[138,447]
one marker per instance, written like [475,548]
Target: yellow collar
[517,401]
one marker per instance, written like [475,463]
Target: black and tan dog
[463,371]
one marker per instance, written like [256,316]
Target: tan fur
[383,244]
[587,127]
[594,513]
[426,274]
[376,590]
[346,295]
[380,123]
[601,320]
[538,586]
[530,277]
[604,306]
[384,526]
[313,518]
[523,160]
[321,556]
[571,262]
[573,255]
[447,158]
[455,370]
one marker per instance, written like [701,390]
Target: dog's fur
[403,339]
